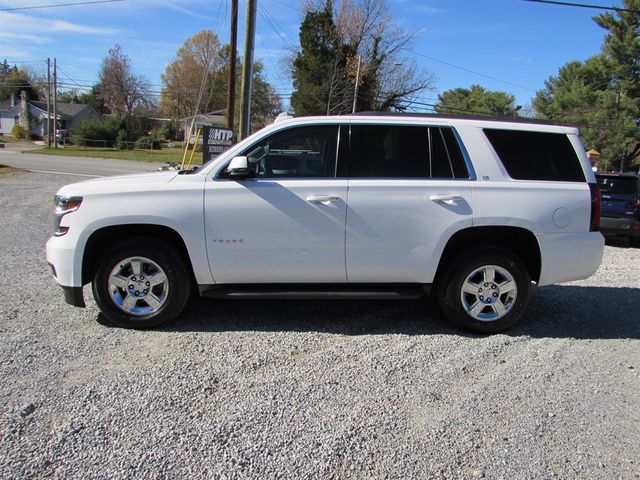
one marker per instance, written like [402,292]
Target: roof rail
[282,116]
[491,118]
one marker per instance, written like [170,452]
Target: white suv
[361,206]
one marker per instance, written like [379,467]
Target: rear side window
[536,155]
[446,158]
[618,185]
[394,151]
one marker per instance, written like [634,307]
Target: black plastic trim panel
[317,291]
[73,296]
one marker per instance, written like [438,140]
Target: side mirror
[239,169]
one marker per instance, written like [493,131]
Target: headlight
[64,205]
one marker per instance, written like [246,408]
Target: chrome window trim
[216,177]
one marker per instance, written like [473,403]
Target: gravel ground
[310,389]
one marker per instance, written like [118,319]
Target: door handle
[324,199]
[448,199]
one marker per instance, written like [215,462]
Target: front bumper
[627,226]
[62,259]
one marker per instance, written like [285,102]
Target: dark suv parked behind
[620,205]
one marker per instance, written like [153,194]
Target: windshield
[618,185]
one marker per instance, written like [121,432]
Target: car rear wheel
[485,290]
[141,283]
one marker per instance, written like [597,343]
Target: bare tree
[387,80]
[119,88]
[366,48]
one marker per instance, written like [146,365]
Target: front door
[287,224]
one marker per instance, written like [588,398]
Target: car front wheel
[485,291]
[141,283]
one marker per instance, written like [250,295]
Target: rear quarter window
[536,155]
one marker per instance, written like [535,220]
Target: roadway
[17,156]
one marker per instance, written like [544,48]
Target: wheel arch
[519,241]
[102,238]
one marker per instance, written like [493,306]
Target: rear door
[618,194]
[409,191]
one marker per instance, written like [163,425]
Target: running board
[362,291]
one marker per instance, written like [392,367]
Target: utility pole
[55,103]
[247,71]
[355,93]
[231,87]
[48,102]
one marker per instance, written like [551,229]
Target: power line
[58,5]
[584,5]
[288,6]
[468,70]
[24,61]
[276,27]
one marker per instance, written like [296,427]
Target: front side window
[302,152]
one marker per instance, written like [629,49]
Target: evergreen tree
[476,100]
[319,69]
[602,94]
[355,41]
[621,49]
[14,80]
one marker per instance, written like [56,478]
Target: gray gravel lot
[311,389]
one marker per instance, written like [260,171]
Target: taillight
[596,204]
[636,202]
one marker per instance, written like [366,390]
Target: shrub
[121,140]
[170,130]
[115,130]
[18,131]
[92,130]
[148,143]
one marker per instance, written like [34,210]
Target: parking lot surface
[311,389]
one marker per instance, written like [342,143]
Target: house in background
[32,115]
[9,115]
[211,119]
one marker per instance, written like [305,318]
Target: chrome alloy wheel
[488,293]
[138,286]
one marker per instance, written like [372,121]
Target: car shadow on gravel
[560,311]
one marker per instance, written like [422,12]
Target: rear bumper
[569,256]
[627,226]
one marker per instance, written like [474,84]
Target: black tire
[455,305]
[150,257]
[634,242]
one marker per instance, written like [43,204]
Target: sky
[507,45]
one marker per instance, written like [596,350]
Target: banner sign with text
[215,141]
